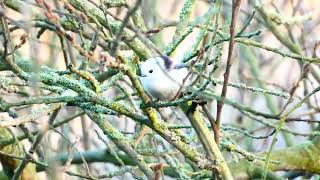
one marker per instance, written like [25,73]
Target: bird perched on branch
[162,78]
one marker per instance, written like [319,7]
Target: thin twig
[123,25]
[216,128]
[34,146]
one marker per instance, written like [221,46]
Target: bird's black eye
[151,71]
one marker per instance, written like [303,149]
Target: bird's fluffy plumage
[160,81]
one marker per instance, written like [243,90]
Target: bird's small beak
[139,73]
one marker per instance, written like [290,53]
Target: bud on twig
[48,15]
[38,1]
[48,6]
[23,38]
[83,17]
[68,7]
[69,36]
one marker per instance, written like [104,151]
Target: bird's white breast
[166,85]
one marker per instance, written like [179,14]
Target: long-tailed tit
[161,78]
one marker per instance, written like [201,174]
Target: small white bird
[161,78]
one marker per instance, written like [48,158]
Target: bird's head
[155,66]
